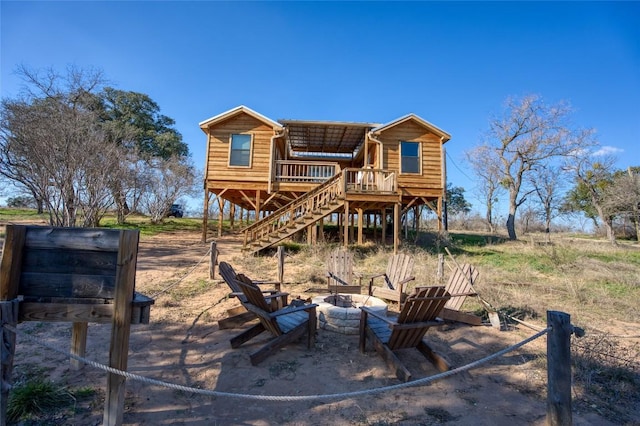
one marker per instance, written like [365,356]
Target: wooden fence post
[280,256]
[213,260]
[559,369]
[8,315]
[120,327]
[78,343]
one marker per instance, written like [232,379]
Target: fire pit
[341,312]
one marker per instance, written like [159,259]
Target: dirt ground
[183,345]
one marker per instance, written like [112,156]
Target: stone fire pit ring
[343,315]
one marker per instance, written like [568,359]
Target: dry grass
[593,281]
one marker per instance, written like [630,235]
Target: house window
[240,150]
[410,157]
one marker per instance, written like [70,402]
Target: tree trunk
[121,207]
[607,221]
[611,236]
[488,218]
[511,219]
[511,226]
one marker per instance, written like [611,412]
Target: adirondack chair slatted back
[421,307]
[230,276]
[399,268]
[340,265]
[256,298]
[460,285]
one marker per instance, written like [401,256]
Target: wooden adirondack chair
[418,314]
[460,286]
[286,324]
[397,275]
[340,274]
[240,315]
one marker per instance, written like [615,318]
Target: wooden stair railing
[298,214]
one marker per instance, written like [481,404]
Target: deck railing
[370,180]
[285,216]
[305,171]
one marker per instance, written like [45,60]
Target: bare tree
[548,184]
[79,147]
[529,134]
[487,169]
[50,144]
[169,180]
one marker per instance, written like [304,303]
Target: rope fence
[279,398]
[169,287]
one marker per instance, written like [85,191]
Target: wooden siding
[249,187]
[219,143]
[429,182]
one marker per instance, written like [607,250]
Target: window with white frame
[240,150]
[410,157]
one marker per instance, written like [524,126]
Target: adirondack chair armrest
[378,315]
[406,280]
[289,310]
[372,277]
[272,294]
[236,294]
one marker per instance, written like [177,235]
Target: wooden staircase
[297,215]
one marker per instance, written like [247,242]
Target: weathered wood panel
[67,272]
[72,238]
[83,310]
[57,312]
[65,261]
[67,285]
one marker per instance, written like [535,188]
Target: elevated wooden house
[294,173]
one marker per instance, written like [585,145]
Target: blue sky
[451,63]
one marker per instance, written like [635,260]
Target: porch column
[258,197]
[352,227]
[205,214]
[345,225]
[396,227]
[440,216]
[360,220]
[221,203]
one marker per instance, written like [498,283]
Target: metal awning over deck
[325,138]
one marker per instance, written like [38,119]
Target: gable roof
[424,123]
[239,110]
